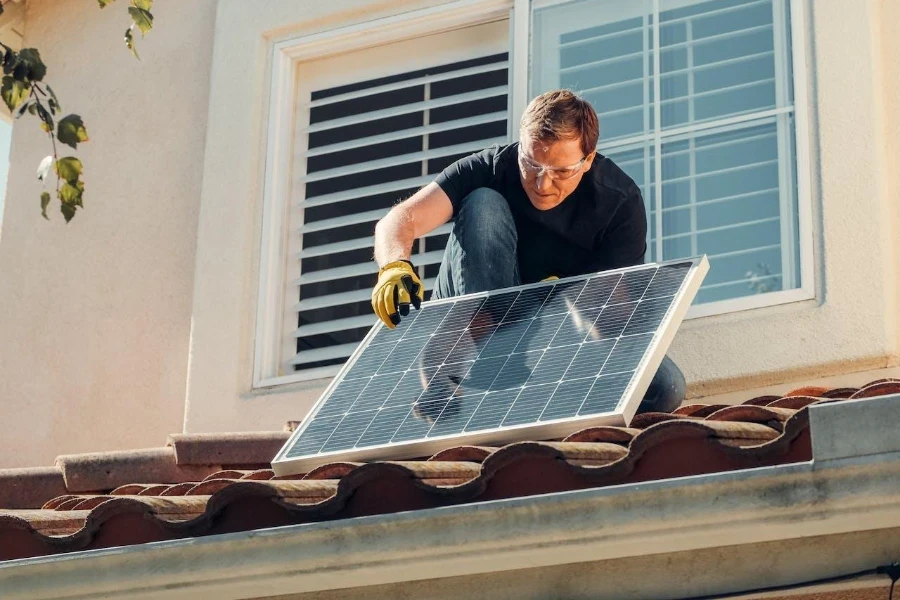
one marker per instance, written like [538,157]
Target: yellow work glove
[398,286]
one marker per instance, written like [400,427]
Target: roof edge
[743,507]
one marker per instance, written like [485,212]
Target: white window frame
[274,317]
[806,290]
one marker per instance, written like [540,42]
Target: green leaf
[9,56]
[70,131]
[45,202]
[142,18]
[25,106]
[14,92]
[45,116]
[129,42]
[69,168]
[68,211]
[143,4]
[71,194]
[103,3]
[44,167]
[31,59]
[54,98]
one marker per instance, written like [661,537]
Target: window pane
[726,189]
[721,196]
[371,143]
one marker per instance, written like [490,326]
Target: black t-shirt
[601,225]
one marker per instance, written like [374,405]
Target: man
[547,206]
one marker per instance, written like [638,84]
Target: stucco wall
[850,326]
[889,61]
[95,317]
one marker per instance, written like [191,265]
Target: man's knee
[667,390]
[486,220]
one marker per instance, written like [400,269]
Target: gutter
[851,485]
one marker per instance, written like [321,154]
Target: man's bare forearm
[394,236]
[423,212]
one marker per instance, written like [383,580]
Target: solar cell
[532,362]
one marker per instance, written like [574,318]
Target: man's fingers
[390,305]
[378,306]
[412,289]
[402,299]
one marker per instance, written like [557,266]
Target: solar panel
[530,362]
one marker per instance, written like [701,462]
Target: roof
[206,484]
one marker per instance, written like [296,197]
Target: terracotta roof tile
[227,448]
[107,470]
[27,488]
[198,485]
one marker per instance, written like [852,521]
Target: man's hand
[398,286]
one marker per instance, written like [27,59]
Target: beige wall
[888,52]
[95,317]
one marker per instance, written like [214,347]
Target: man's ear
[589,160]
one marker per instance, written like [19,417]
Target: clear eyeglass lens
[533,169]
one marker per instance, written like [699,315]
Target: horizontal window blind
[723,125]
[371,144]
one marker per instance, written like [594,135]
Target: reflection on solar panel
[532,362]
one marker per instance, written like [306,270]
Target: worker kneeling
[546,206]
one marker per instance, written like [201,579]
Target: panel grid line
[487,393]
[618,339]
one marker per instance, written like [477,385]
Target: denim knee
[667,390]
[485,225]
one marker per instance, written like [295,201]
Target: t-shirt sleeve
[466,175]
[624,243]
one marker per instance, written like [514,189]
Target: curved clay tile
[209,486]
[129,489]
[260,475]
[878,388]
[54,503]
[474,454]
[226,474]
[334,470]
[179,489]
[597,452]
[810,390]
[761,400]
[69,503]
[648,419]
[699,411]
[794,402]
[154,490]
[604,433]
[751,413]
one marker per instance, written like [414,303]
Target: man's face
[550,171]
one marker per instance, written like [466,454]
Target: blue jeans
[481,256]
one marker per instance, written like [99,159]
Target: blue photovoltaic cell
[558,350]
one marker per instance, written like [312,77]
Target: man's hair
[561,115]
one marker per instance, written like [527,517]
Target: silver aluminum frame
[621,415]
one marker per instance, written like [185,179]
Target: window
[725,184]
[363,143]
[715,157]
